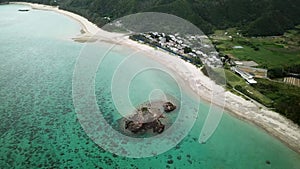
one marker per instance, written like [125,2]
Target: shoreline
[272,122]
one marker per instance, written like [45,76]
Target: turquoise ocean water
[39,126]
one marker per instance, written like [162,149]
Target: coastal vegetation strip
[286,98]
[237,83]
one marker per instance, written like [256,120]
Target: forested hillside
[253,17]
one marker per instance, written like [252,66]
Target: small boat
[23,10]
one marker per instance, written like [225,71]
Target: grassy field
[234,81]
[268,52]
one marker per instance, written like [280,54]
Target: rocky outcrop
[169,107]
[148,117]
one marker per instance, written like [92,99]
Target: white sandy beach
[272,122]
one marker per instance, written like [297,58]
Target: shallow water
[39,125]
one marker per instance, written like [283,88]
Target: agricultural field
[268,52]
[292,81]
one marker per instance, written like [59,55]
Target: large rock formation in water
[148,118]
